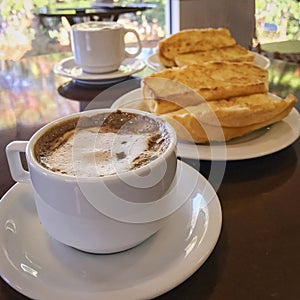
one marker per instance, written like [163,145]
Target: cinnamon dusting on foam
[103,144]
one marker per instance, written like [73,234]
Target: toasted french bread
[235,53]
[242,111]
[172,89]
[217,121]
[191,40]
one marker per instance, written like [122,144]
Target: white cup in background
[99,47]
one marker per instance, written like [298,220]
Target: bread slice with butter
[227,119]
[191,40]
[235,53]
[172,89]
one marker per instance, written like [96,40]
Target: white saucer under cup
[41,268]
[68,68]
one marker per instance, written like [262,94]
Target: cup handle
[17,171]
[139,50]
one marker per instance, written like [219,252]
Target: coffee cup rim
[166,153]
[78,27]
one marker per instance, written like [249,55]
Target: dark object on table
[285,50]
[99,13]
[89,95]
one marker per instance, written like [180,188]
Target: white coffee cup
[97,214]
[99,47]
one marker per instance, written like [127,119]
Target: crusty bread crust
[172,89]
[213,90]
[235,53]
[192,125]
[242,111]
[168,63]
[190,40]
[164,95]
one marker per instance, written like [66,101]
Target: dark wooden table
[77,14]
[257,255]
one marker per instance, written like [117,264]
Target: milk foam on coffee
[96,26]
[97,154]
[120,142]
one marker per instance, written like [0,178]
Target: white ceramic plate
[259,143]
[154,63]
[68,68]
[41,268]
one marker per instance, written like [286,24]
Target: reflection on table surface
[257,254]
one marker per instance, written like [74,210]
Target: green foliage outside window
[284,14]
[8,7]
[157,13]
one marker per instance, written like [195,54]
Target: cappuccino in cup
[99,47]
[96,175]
[102,145]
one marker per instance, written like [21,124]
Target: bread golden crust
[164,95]
[193,40]
[242,111]
[192,125]
[213,90]
[235,53]
[172,89]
